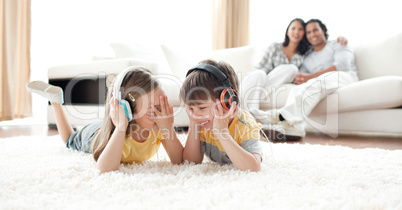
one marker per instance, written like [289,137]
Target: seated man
[326,68]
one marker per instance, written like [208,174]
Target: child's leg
[55,95]
[63,126]
[50,92]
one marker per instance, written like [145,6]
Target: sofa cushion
[97,68]
[381,59]
[376,93]
[171,85]
[242,59]
[378,122]
[180,61]
[143,51]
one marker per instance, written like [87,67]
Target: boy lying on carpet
[124,135]
[218,127]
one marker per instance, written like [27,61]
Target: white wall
[73,31]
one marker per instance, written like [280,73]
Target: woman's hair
[322,26]
[304,46]
[137,82]
[200,86]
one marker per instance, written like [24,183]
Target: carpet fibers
[40,173]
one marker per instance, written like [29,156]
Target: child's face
[143,111]
[202,113]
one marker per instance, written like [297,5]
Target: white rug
[40,173]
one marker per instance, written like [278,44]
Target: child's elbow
[251,168]
[103,169]
[191,159]
[177,160]
[255,166]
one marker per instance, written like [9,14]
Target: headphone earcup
[228,96]
[127,109]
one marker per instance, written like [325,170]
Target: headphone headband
[228,95]
[119,79]
[214,71]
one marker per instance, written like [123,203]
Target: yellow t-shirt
[134,151]
[243,129]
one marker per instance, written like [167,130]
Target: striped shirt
[274,56]
[243,129]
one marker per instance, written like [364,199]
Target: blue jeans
[81,140]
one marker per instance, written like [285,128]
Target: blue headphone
[117,92]
[228,95]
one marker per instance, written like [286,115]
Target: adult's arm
[343,61]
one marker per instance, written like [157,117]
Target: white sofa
[372,106]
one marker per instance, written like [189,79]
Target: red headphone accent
[228,96]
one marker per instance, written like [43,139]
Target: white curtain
[15,29]
[230,26]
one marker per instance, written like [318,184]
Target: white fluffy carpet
[40,173]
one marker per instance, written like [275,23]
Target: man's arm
[304,77]
[343,61]
[344,58]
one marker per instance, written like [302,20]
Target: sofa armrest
[94,68]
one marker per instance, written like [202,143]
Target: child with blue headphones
[138,119]
[218,127]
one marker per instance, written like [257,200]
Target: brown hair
[137,82]
[199,86]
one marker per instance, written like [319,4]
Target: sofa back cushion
[180,60]
[143,51]
[242,59]
[380,59]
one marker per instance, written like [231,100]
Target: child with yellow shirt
[218,127]
[138,119]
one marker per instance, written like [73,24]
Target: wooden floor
[350,141]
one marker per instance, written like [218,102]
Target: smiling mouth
[204,123]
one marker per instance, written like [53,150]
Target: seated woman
[279,65]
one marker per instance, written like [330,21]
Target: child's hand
[164,116]
[190,116]
[223,117]
[117,114]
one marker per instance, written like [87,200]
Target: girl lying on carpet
[218,127]
[124,135]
